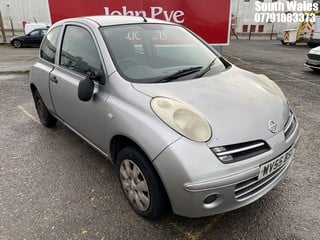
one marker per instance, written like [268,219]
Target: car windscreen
[150,53]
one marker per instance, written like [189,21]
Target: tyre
[292,43]
[316,70]
[312,45]
[44,115]
[141,184]
[17,43]
[283,43]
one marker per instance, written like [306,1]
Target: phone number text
[284,17]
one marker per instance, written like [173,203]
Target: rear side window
[79,52]
[49,46]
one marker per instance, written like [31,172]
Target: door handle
[54,79]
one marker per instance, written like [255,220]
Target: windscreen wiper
[206,69]
[180,73]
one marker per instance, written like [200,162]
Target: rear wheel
[17,43]
[141,184]
[45,116]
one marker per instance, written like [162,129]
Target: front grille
[314,56]
[241,151]
[250,187]
[290,126]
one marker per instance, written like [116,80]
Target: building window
[245,28]
[261,28]
[274,0]
[261,0]
[253,28]
[247,0]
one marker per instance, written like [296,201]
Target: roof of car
[46,28]
[104,20]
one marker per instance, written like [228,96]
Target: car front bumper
[313,61]
[191,173]
[315,65]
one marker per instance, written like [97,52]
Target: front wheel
[141,184]
[45,116]
[17,43]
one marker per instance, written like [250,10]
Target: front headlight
[182,118]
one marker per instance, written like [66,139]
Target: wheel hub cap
[134,185]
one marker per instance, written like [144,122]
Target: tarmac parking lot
[54,186]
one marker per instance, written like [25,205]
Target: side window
[43,32]
[49,46]
[34,33]
[79,52]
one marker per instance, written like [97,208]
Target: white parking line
[197,234]
[28,114]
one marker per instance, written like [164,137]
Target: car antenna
[144,18]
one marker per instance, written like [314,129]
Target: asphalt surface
[13,60]
[54,186]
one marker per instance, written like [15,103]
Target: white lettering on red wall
[207,18]
[176,16]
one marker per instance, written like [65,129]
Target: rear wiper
[206,69]
[180,73]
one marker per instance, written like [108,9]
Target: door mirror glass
[85,89]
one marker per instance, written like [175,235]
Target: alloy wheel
[17,44]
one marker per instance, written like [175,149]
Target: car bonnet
[237,104]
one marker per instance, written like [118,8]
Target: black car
[33,38]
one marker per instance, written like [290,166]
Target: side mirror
[85,89]
[98,76]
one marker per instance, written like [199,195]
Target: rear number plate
[272,166]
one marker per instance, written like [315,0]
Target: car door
[33,37]
[79,55]
[40,36]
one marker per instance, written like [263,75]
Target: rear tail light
[312,33]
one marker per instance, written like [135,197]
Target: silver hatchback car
[187,130]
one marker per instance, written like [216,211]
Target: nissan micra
[187,130]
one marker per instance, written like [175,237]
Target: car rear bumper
[191,173]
